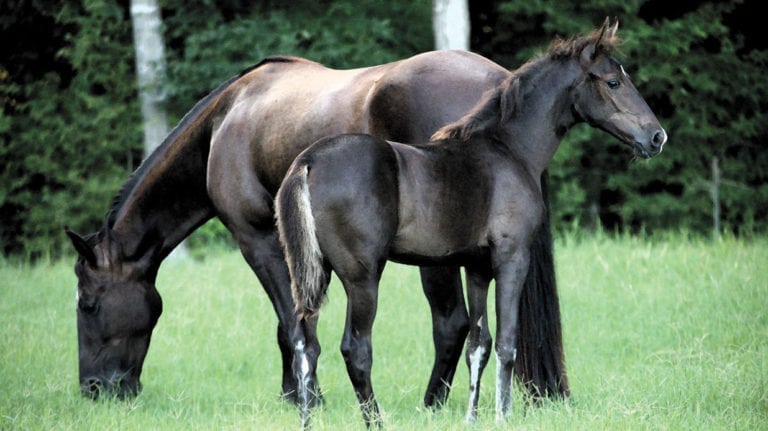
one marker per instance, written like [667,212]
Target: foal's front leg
[479,340]
[511,266]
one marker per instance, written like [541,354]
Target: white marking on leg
[501,386]
[499,366]
[304,364]
[303,383]
[474,381]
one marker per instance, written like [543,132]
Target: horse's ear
[82,247]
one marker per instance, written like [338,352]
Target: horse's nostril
[658,139]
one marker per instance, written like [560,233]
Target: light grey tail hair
[296,226]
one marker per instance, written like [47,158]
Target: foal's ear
[607,33]
[82,247]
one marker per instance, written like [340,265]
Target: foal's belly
[437,244]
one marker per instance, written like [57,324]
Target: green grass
[659,335]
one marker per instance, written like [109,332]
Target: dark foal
[471,197]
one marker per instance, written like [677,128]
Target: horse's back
[284,104]
[418,95]
[280,108]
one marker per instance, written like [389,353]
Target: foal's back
[430,203]
[352,184]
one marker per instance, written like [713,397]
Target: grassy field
[659,335]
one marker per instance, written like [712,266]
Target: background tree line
[70,126]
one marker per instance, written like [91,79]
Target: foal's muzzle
[653,146]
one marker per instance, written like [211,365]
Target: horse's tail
[296,226]
[541,363]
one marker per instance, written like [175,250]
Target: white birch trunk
[150,70]
[450,23]
[150,73]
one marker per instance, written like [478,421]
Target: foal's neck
[537,127]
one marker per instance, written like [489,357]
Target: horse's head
[607,99]
[117,308]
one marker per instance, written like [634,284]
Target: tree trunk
[150,73]
[450,23]
[150,70]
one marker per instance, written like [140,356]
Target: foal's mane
[504,100]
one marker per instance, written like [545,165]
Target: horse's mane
[506,98]
[192,115]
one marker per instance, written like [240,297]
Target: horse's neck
[545,115]
[167,198]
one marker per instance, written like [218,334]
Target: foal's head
[582,73]
[605,96]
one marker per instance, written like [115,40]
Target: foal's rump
[341,184]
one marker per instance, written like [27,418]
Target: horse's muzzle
[92,387]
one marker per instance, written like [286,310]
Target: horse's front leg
[479,340]
[511,266]
[450,324]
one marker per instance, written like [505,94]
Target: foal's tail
[296,225]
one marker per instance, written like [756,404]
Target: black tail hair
[540,363]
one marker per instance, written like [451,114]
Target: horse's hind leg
[263,253]
[245,207]
[479,341]
[450,324]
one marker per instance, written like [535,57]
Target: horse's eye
[613,83]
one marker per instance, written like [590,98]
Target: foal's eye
[613,83]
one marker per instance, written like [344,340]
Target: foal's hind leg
[356,344]
[479,340]
[450,324]
[307,350]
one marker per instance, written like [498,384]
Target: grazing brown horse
[471,197]
[226,158]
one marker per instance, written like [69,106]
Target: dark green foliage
[70,128]
[70,124]
[69,135]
